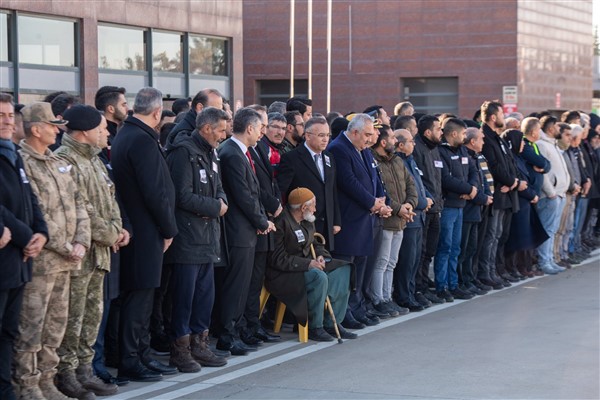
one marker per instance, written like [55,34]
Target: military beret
[82,117]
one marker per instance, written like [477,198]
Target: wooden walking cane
[327,301]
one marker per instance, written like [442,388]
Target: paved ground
[537,340]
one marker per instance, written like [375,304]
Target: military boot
[31,393]
[85,376]
[67,382]
[50,391]
[202,353]
[181,358]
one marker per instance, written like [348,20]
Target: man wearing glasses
[312,167]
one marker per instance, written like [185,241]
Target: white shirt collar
[241,145]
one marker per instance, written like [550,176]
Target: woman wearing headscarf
[526,230]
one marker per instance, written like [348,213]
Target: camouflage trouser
[41,328]
[85,315]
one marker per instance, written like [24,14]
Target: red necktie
[251,162]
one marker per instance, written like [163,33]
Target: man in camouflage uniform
[46,298]
[86,137]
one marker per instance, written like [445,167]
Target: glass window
[121,48]
[432,95]
[208,56]
[166,52]
[279,90]
[46,41]
[4,38]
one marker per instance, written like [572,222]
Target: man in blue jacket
[472,214]
[410,251]
[361,198]
[459,184]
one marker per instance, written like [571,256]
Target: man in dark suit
[298,168]
[361,197]
[143,180]
[251,331]
[245,218]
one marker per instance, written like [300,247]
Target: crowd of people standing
[129,233]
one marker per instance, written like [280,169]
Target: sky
[596,12]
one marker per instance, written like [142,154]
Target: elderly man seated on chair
[302,273]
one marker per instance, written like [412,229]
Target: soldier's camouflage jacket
[98,193]
[63,209]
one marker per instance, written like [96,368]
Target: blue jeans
[446,258]
[549,211]
[581,207]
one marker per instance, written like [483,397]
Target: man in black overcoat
[245,219]
[143,180]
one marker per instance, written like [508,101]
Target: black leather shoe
[139,374]
[432,297]
[236,348]
[413,307]
[368,321]
[493,284]
[351,323]
[461,294]
[481,286]
[422,300]
[444,294]
[344,334]
[250,340]
[107,378]
[266,336]
[248,347]
[319,335]
[508,277]
[157,366]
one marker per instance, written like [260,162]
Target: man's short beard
[308,216]
[296,136]
[498,125]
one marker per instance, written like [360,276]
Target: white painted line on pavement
[184,391]
[238,360]
[310,348]
[306,349]
[143,390]
[176,379]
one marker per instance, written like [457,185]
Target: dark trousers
[407,266]
[251,321]
[468,248]
[356,301]
[431,235]
[234,293]
[98,361]
[481,230]
[370,267]
[193,289]
[161,309]
[134,334]
[10,309]
[111,333]
[500,261]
